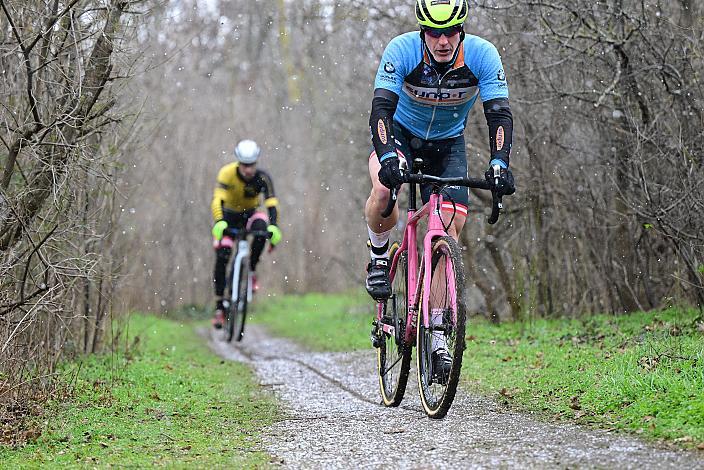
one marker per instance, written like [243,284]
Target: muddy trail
[334,419]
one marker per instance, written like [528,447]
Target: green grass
[642,373]
[171,402]
[321,322]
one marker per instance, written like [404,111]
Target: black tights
[222,257]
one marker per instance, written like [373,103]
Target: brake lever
[497,176]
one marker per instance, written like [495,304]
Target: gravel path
[335,421]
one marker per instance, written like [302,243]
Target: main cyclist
[235,202]
[425,85]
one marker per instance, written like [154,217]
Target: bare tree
[599,91]
[59,128]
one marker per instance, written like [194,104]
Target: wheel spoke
[393,356]
[398,359]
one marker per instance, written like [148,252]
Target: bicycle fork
[242,252]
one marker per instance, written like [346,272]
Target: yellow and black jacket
[234,197]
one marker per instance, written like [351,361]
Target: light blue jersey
[434,106]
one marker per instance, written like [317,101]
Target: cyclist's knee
[456,228]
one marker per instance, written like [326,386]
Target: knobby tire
[230,311]
[240,309]
[435,397]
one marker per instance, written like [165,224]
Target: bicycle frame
[417,282]
[243,251]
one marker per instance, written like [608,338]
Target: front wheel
[239,309]
[393,355]
[445,331]
[230,307]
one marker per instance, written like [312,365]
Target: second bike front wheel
[239,310]
[446,313]
[229,308]
[393,355]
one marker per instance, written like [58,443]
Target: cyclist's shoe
[218,319]
[378,283]
[255,284]
[442,364]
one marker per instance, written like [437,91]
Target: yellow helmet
[441,13]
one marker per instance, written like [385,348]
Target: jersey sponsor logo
[501,76]
[381,129]
[443,96]
[428,76]
[499,138]
[387,78]
[389,67]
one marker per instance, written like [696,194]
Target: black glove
[505,185]
[390,174]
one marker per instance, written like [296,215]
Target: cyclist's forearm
[273,215]
[216,206]
[500,121]
[381,121]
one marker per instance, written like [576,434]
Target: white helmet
[247,152]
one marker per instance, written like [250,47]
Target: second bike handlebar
[496,204]
[237,232]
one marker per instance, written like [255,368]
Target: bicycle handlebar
[476,183]
[236,232]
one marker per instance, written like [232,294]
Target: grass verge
[168,402]
[322,322]
[643,372]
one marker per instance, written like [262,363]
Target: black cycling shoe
[442,364]
[378,283]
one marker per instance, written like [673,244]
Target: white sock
[380,243]
[439,341]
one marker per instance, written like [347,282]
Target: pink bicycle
[427,305]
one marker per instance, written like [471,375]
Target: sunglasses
[447,32]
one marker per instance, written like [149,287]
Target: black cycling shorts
[445,158]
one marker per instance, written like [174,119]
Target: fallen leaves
[649,363]
[509,393]
[574,403]
[700,327]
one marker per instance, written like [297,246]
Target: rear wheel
[446,318]
[393,355]
[239,310]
